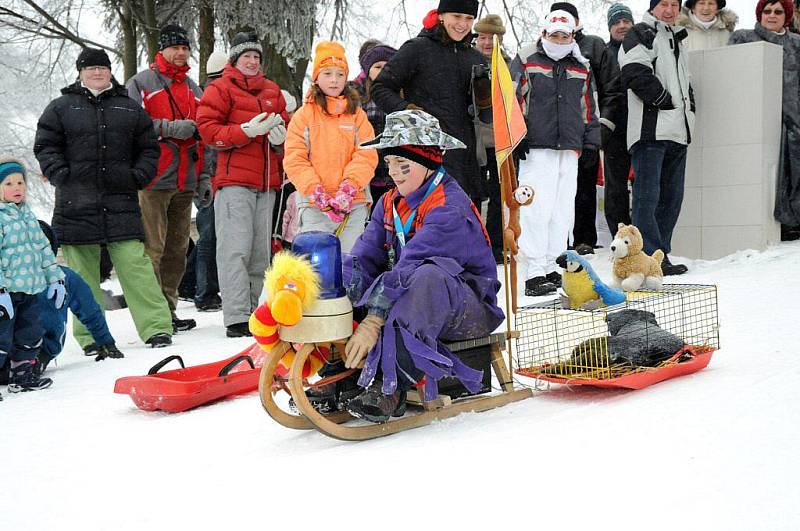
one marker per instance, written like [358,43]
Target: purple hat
[379,52]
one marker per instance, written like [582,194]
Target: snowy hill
[714,450]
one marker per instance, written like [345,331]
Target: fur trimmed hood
[726,19]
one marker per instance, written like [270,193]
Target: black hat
[172,35]
[690,4]
[51,236]
[565,6]
[92,57]
[468,7]
[244,42]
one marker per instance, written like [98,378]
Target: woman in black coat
[98,148]
[98,151]
[433,72]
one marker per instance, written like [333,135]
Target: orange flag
[509,123]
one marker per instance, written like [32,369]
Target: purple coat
[443,285]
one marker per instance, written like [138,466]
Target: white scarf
[96,93]
[704,25]
[556,52]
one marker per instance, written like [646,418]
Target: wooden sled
[334,425]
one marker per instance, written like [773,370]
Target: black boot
[668,268]
[374,406]
[92,349]
[159,341]
[238,330]
[24,378]
[539,286]
[182,325]
[334,396]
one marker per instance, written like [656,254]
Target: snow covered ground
[714,450]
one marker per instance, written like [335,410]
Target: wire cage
[651,329]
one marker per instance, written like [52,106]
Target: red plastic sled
[699,357]
[186,388]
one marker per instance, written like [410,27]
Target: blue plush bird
[582,284]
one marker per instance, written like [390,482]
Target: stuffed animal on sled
[633,269]
[292,286]
[582,285]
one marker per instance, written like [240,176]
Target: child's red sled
[688,360]
[186,388]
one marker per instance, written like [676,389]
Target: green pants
[147,304]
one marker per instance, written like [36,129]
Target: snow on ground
[713,450]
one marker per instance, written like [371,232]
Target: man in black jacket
[615,150]
[99,148]
[433,72]
[609,97]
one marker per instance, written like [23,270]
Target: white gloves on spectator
[291,102]
[262,124]
[277,135]
[178,129]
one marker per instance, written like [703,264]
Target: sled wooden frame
[441,408]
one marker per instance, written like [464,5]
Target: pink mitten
[342,202]
[319,197]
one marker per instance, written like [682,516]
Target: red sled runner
[688,360]
[186,388]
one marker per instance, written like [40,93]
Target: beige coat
[715,37]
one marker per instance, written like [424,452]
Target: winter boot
[374,406]
[182,325]
[24,378]
[668,268]
[5,371]
[42,361]
[238,330]
[334,396]
[584,248]
[92,349]
[539,286]
[213,304]
[554,278]
[159,341]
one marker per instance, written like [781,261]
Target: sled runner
[188,387]
[688,360]
[420,413]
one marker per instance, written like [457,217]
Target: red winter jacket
[227,103]
[167,94]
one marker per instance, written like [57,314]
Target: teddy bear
[633,269]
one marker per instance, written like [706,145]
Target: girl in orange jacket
[322,158]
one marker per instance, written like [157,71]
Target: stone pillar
[733,158]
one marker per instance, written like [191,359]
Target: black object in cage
[651,330]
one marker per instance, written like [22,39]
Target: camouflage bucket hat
[413,127]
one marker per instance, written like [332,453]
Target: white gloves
[277,135]
[262,124]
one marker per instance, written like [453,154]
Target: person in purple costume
[424,271]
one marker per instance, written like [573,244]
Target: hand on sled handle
[362,341]
[57,292]
[7,305]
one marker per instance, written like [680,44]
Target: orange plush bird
[292,286]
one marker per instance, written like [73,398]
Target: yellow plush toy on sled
[292,286]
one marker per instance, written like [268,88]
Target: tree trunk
[278,70]
[205,35]
[128,25]
[151,29]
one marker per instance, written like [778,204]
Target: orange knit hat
[329,53]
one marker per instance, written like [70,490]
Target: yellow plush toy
[292,286]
